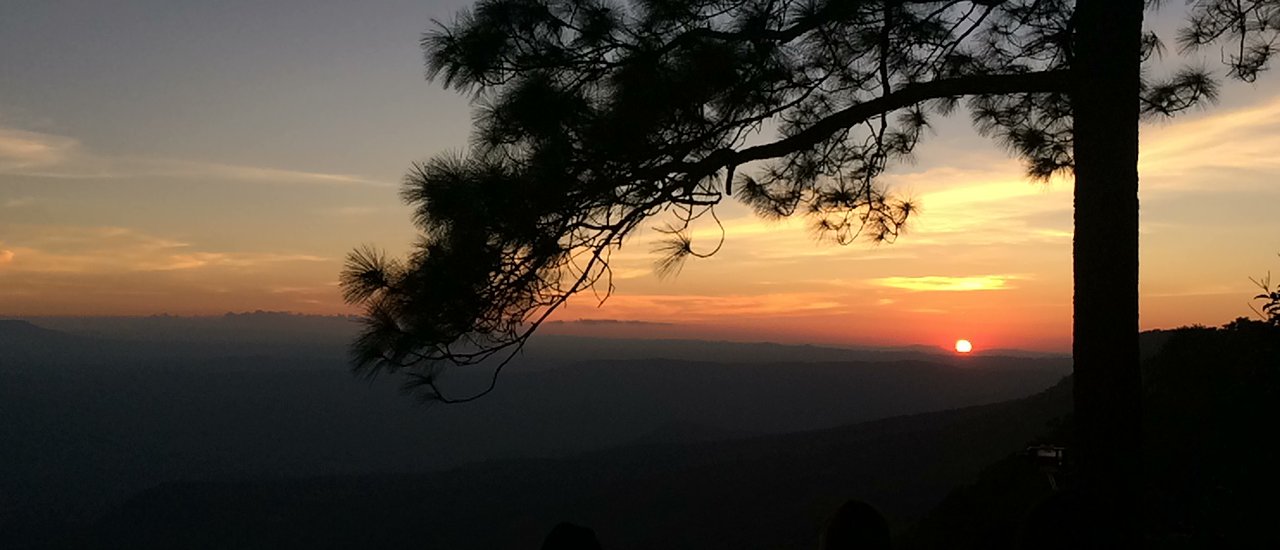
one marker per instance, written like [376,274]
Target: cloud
[1224,145]
[19,202]
[618,273]
[33,154]
[609,322]
[693,307]
[936,283]
[23,150]
[350,211]
[219,259]
[184,169]
[116,250]
[326,289]
[69,270]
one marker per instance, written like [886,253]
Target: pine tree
[593,116]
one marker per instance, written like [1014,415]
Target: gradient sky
[193,157]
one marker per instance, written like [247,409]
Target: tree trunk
[1108,386]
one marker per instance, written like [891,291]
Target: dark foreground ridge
[1210,397]
[120,406]
[756,493]
[1210,393]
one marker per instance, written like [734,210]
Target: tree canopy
[593,117]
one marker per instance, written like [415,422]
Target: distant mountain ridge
[11,330]
[317,329]
[23,344]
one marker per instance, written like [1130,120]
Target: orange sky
[164,197]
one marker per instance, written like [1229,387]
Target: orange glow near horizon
[989,255]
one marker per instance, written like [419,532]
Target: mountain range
[98,415]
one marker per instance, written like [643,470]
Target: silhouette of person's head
[567,536]
[855,526]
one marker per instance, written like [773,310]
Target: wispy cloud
[117,270]
[609,322]
[675,307]
[1223,144]
[618,272]
[107,250]
[34,154]
[350,211]
[937,283]
[218,259]
[24,150]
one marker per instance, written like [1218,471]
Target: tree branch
[803,25]
[911,94]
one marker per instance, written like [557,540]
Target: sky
[195,158]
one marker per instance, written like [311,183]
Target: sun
[964,346]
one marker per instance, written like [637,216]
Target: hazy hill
[766,492]
[1211,482]
[15,331]
[97,416]
[25,345]
[272,332]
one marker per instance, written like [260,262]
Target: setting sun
[964,346]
